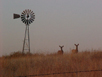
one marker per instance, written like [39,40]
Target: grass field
[17,64]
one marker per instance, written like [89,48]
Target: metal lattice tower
[27,17]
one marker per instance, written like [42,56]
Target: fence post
[77,74]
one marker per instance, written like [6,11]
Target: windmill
[27,17]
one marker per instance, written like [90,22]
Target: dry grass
[17,64]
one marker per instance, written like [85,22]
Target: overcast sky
[57,22]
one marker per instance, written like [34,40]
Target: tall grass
[31,64]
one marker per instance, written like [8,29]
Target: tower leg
[28,40]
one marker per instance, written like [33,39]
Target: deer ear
[78,44]
[75,44]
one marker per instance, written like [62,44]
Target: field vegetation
[18,64]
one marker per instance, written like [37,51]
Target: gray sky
[57,22]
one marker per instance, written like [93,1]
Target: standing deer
[61,51]
[75,50]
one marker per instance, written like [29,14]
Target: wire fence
[60,73]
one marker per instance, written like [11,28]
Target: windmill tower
[27,17]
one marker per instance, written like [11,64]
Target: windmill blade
[15,16]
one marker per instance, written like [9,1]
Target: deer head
[61,47]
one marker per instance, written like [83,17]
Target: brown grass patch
[31,64]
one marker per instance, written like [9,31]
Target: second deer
[75,50]
[60,51]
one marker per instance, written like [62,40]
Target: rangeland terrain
[16,64]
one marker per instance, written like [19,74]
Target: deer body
[60,51]
[75,50]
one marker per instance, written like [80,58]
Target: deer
[60,51]
[75,50]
